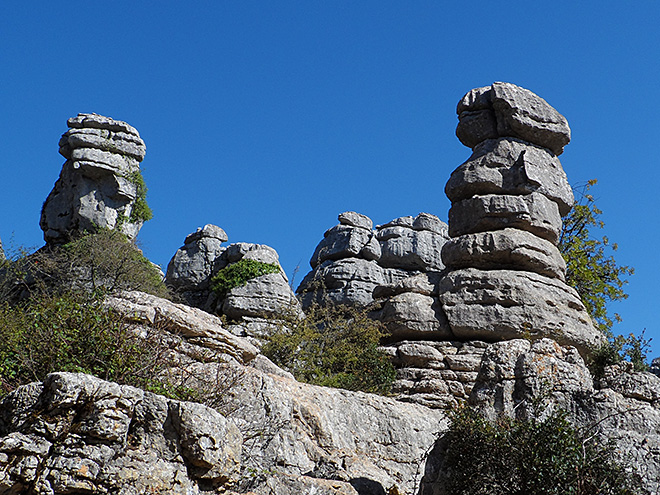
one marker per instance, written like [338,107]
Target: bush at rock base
[105,261]
[534,457]
[237,274]
[76,334]
[334,346]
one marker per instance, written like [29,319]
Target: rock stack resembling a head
[100,182]
[505,274]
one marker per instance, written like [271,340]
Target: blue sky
[270,118]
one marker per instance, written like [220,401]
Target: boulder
[190,269]
[509,166]
[412,244]
[346,241]
[534,213]
[100,182]
[78,433]
[494,305]
[505,109]
[508,249]
[347,281]
[411,315]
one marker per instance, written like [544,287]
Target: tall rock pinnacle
[100,183]
[506,274]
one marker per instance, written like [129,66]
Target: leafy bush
[238,274]
[595,275]
[536,457]
[334,346]
[141,211]
[76,334]
[105,261]
[631,348]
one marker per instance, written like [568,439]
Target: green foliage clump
[589,269]
[529,457]
[333,346]
[632,348]
[105,261]
[238,274]
[75,334]
[141,211]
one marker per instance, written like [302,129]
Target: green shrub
[334,346]
[589,267]
[631,348]
[238,274]
[141,211]
[105,261]
[536,457]
[76,334]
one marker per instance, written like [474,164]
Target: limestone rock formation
[75,433]
[190,269]
[268,433]
[353,259]
[505,277]
[100,185]
[193,266]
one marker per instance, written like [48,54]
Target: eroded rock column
[506,274]
[100,184]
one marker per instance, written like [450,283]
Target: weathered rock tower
[100,184]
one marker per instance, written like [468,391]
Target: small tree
[590,269]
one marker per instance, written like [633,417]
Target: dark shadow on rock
[432,480]
[365,486]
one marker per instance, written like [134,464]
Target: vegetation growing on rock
[532,457]
[334,346]
[237,274]
[593,272]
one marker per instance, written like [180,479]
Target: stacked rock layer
[354,258]
[193,266]
[506,275]
[99,183]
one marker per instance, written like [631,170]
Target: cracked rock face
[97,187]
[353,258]
[505,275]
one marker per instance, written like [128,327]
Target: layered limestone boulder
[505,273]
[100,185]
[354,258]
[191,270]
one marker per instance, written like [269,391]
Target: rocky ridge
[456,337]
[353,258]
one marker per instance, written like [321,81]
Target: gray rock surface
[97,186]
[511,167]
[533,213]
[496,305]
[507,249]
[78,434]
[294,436]
[521,379]
[505,109]
[190,269]
[352,259]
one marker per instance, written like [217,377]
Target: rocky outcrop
[75,433]
[100,185]
[505,272]
[192,268]
[353,258]
[268,433]
[524,379]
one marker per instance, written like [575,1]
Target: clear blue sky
[270,118]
